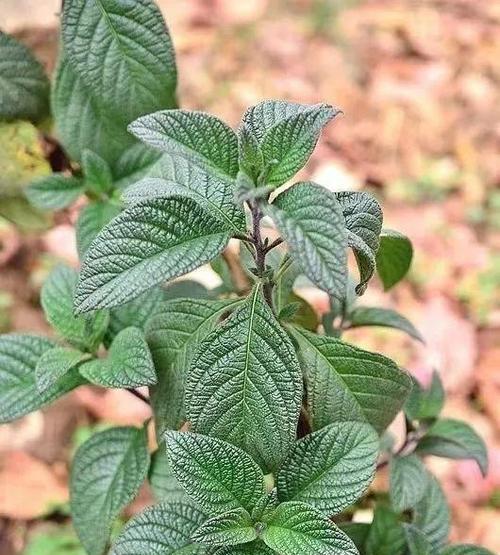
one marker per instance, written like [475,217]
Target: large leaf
[55,191]
[386,535]
[54,364]
[384,317]
[244,384]
[164,529]
[231,528]
[122,53]
[296,528]
[173,335]
[146,244]
[310,220]
[408,481]
[217,475]
[197,136]
[347,383]
[363,220]
[19,395]
[84,332]
[24,87]
[128,364]
[454,439]
[161,477]
[394,257]
[92,218]
[330,468]
[425,404]
[107,471]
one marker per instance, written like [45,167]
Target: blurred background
[419,84]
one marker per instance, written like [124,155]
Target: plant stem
[139,395]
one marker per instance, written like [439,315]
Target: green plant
[281,421]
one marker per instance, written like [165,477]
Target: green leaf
[432,515]
[217,475]
[83,332]
[363,220]
[19,354]
[424,404]
[54,364]
[417,542]
[146,244]
[465,549]
[301,313]
[230,528]
[92,218]
[454,439]
[330,468]
[123,53]
[54,192]
[266,505]
[161,477]
[298,529]
[135,163]
[358,532]
[289,271]
[164,529]
[107,471]
[394,257]
[253,548]
[174,335]
[128,364]
[24,86]
[347,383]
[310,220]
[197,136]
[408,481]
[244,384]
[386,535]
[97,172]
[385,317]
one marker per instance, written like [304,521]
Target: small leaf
[311,221]
[347,383]
[330,468]
[244,384]
[161,477]
[193,135]
[92,218]
[107,471]
[146,244]
[454,439]
[19,355]
[24,86]
[358,532]
[417,542]
[394,257]
[465,549]
[385,317]
[363,220]
[84,332]
[408,481]
[55,191]
[97,172]
[54,364]
[136,162]
[164,529]
[254,548]
[230,528]
[128,364]
[289,272]
[386,535]
[217,475]
[298,529]
[266,505]
[424,404]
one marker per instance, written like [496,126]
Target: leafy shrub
[283,424]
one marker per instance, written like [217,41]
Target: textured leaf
[386,535]
[84,332]
[24,87]
[19,355]
[173,335]
[432,515]
[54,364]
[394,257]
[310,220]
[97,172]
[347,383]
[266,504]
[244,384]
[107,471]
[254,548]
[408,481]
[161,477]
[385,317]
[330,468]
[423,403]
[193,135]
[54,192]
[454,439]
[146,244]
[417,542]
[164,529]
[135,163]
[284,284]
[217,475]
[298,529]
[128,364]
[123,53]
[230,528]
[465,549]
[92,218]
[363,220]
